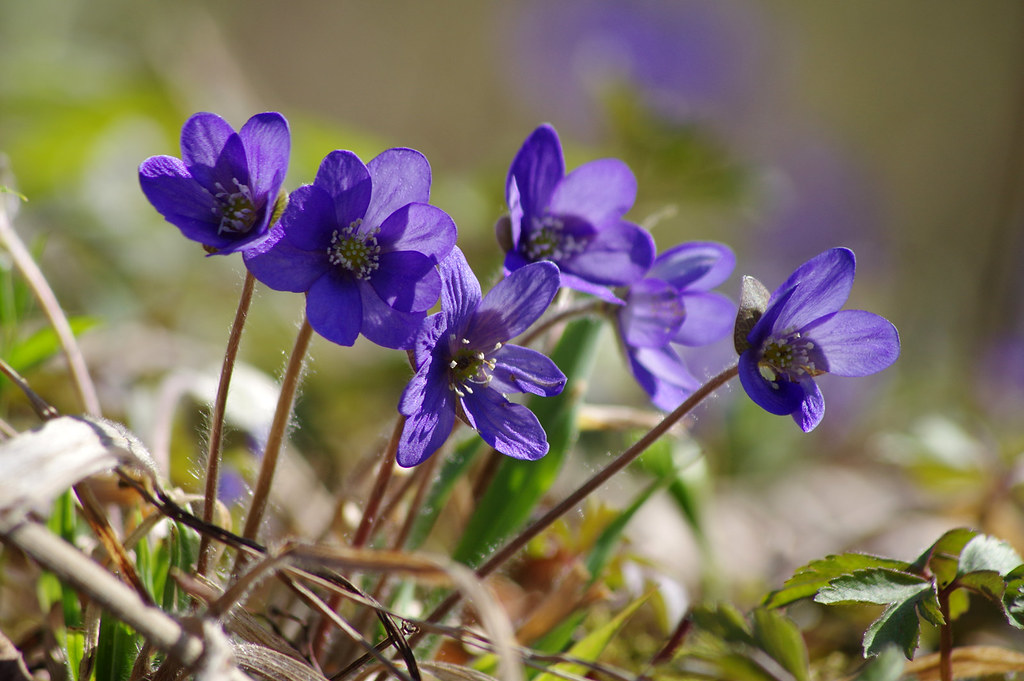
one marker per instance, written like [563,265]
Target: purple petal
[334,308]
[709,317]
[600,191]
[267,147]
[536,171]
[584,286]
[652,314]
[782,397]
[344,177]
[407,281]
[695,266]
[308,221]
[460,290]
[515,302]
[202,140]
[524,370]
[278,264]
[400,176]
[511,429]
[386,326]
[812,408]
[419,227]
[178,197]
[662,375]
[855,342]
[430,408]
[821,286]
[620,254]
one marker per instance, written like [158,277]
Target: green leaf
[778,636]
[941,557]
[610,536]
[518,486]
[724,622]
[875,585]
[43,344]
[814,576]
[1013,597]
[984,553]
[887,666]
[897,626]
[116,649]
[988,583]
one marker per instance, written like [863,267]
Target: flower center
[789,357]
[358,252]
[548,240]
[237,209]
[469,367]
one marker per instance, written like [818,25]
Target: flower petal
[515,302]
[855,342]
[334,308]
[662,374]
[460,291]
[419,227]
[407,281]
[584,286]
[278,264]
[429,407]
[168,185]
[600,191]
[620,254]
[400,176]
[812,408]
[344,177]
[652,314]
[386,326]
[694,266]
[202,140]
[710,316]
[308,221]
[267,147]
[779,398]
[535,172]
[510,428]
[524,370]
[821,286]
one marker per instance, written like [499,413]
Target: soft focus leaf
[814,576]
[988,553]
[778,636]
[1013,597]
[947,547]
[887,666]
[116,650]
[518,486]
[723,621]
[988,583]
[43,344]
[612,534]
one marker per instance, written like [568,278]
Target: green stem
[581,493]
[275,438]
[217,418]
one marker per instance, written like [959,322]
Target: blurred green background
[781,127]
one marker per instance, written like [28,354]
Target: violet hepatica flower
[363,244]
[224,190]
[802,333]
[674,304]
[574,220]
[465,366]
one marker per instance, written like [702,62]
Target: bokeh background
[781,127]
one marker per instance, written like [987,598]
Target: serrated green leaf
[941,557]
[988,583]
[1013,597]
[877,585]
[897,626]
[518,486]
[778,636]
[810,578]
[983,553]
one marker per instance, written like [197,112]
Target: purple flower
[223,191]
[574,220]
[674,304]
[363,244]
[802,333]
[464,366]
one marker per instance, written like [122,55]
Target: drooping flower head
[802,333]
[674,303]
[224,190]
[574,220]
[465,366]
[363,244]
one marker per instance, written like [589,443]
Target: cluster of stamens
[549,241]
[787,357]
[358,252]
[237,210]
[468,367]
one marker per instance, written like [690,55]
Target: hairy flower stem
[581,493]
[275,438]
[945,637]
[217,418]
[51,307]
